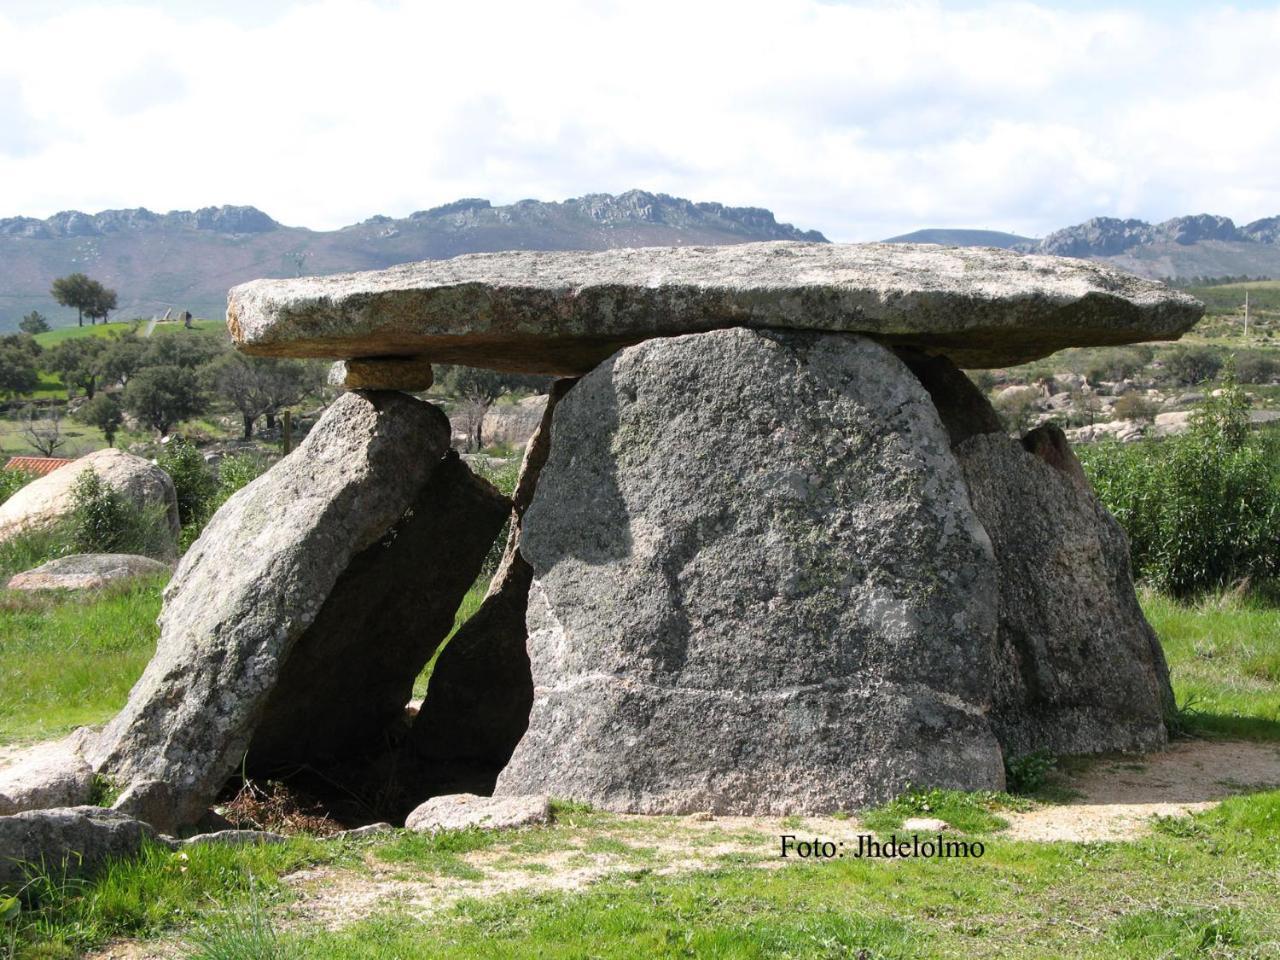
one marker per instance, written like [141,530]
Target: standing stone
[351,674]
[477,704]
[1079,670]
[255,581]
[759,585]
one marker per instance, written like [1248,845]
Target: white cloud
[858,119]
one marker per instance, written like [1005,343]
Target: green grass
[974,812]
[1224,661]
[51,338]
[1213,892]
[470,604]
[67,661]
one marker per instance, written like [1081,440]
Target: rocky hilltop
[188,259]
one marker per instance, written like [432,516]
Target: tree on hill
[102,303]
[89,297]
[78,363]
[33,323]
[163,396]
[286,382]
[122,359]
[188,350]
[103,412]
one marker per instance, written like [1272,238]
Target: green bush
[104,521]
[192,480]
[1134,406]
[1202,510]
[1192,365]
[11,481]
[235,472]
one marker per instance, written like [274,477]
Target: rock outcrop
[255,582]
[564,312]
[800,620]
[87,571]
[48,500]
[477,704]
[466,811]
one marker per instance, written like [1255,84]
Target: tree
[479,389]
[163,396]
[17,371]
[79,363]
[101,302]
[122,359]
[176,349]
[33,323]
[44,434]
[103,412]
[286,382]
[235,377]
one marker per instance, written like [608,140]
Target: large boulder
[477,704]
[563,312]
[350,675]
[66,842]
[1079,669]
[87,571]
[44,502]
[255,581]
[759,586]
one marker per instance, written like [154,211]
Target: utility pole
[1246,314]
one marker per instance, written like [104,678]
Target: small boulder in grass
[459,811]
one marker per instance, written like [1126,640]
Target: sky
[860,119]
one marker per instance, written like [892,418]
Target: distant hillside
[963,238]
[187,260]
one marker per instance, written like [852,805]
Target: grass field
[51,338]
[1207,886]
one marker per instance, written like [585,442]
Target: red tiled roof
[37,465]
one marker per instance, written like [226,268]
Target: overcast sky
[859,119]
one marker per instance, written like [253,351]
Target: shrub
[1115,364]
[1027,774]
[235,472]
[1202,510]
[1257,368]
[1134,406]
[103,521]
[11,481]
[1192,365]
[192,480]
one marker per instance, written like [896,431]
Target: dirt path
[1116,800]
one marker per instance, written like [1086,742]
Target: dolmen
[770,551]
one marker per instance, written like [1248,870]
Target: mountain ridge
[188,259]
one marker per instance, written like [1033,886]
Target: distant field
[1228,298]
[54,337]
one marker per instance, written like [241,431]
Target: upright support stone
[1080,670]
[350,675]
[478,700]
[253,584]
[759,586]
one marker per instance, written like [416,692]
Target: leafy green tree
[78,363]
[18,374]
[181,349]
[103,412]
[89,297]
[240,380]
[192,481]
[122,359]
[163,396]
[1192,365]
[101,303]
[33,323]
[286,382]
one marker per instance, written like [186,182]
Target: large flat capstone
[565,312]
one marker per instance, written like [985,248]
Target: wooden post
[286,432]
[1246,314]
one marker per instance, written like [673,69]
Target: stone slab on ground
[460,811]
[564,312]
[52,774]
[87,571]
[82,838]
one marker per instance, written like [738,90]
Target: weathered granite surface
[758,585]
[564,312]
[253,583]
[87,571]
